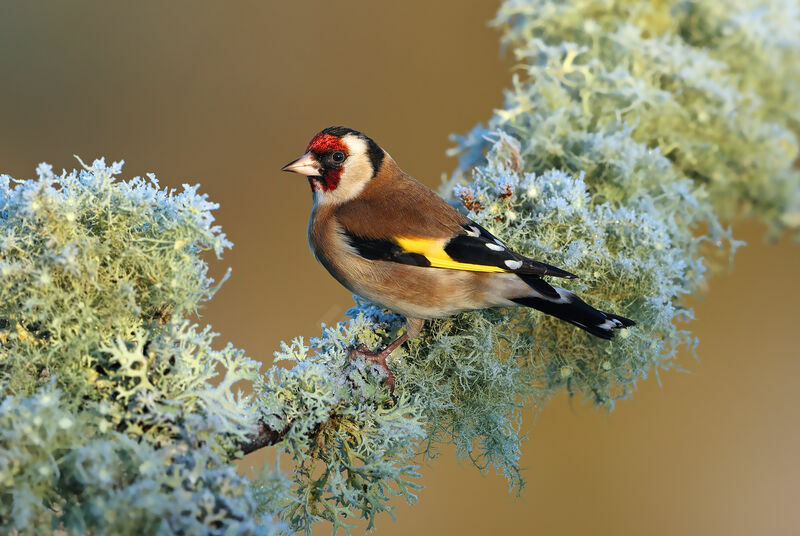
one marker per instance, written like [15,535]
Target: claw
[378,358]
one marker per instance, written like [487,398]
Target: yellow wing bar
[433,250]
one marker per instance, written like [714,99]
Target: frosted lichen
[628,128]
[110,422]
[69,471]
[712,84]
[352,442]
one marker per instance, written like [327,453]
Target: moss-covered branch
[264,436]
[629,127]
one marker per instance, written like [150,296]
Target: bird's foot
[378,358]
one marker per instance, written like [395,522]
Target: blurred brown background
[225,93]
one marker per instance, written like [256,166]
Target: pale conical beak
[305,165]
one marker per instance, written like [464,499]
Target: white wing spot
[610,323]
[565,296]
[473,231]
[497,240]
[514,265]
[494,247]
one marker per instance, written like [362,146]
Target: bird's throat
[328,182]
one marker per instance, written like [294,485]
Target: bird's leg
[379,358]
[413,327]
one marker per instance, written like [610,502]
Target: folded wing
[473,249]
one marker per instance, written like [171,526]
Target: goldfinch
[388,238]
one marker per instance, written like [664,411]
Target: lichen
[114,418]
[631,129]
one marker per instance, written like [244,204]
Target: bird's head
[339,162]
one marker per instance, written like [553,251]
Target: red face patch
[328,182]
[323,144]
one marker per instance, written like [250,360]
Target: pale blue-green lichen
[629,126]
[116,415]
[713,84]
[352,442]
[71,471]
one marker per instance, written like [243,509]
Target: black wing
[475,249]
[479,246]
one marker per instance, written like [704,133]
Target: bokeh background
[225,93]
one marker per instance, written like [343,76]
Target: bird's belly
[422,292]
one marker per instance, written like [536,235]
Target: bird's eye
[338,156]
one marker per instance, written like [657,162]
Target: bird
[390,239]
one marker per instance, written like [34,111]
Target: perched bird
[390,239]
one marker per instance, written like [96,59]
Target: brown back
[395,204]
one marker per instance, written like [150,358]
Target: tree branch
[263,437]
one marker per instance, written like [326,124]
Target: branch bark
[264,437]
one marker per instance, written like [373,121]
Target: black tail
[574,310]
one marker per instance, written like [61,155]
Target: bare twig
[264,437]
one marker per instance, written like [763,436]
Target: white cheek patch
[357,166]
